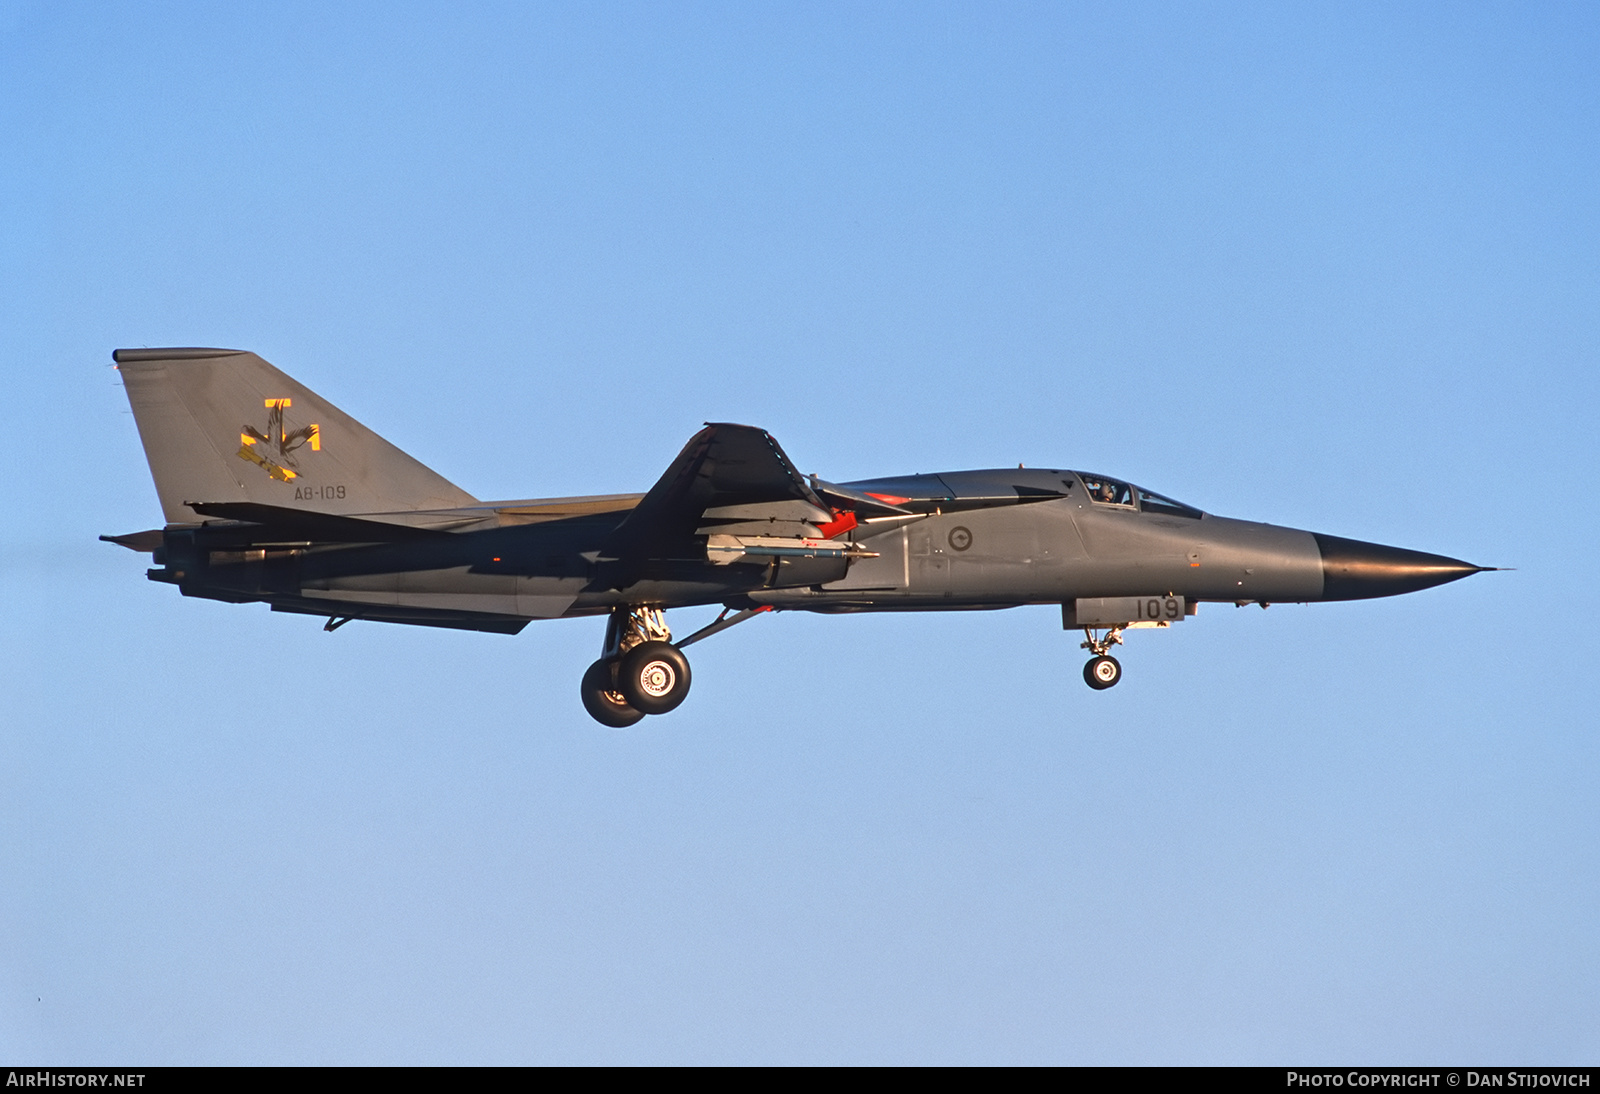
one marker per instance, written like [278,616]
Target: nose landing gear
[1103,671]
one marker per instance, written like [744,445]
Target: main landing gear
[641,671]
[1103,671]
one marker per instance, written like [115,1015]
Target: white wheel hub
[657,679]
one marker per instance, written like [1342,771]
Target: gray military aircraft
[273,495]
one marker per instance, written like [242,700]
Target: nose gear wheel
[1102,672]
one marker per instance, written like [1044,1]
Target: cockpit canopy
[958,491]
[1104,491]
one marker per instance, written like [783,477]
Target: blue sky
[1330,266]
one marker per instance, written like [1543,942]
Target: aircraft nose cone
[1353,570]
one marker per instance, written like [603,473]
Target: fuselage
[959,540]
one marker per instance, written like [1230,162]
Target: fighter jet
[273,495]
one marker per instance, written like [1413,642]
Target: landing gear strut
[1103,671]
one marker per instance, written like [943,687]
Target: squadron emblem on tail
[279,441]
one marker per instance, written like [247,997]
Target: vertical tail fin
[222,425]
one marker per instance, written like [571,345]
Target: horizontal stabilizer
[143,542]
[388,613]
[305,524]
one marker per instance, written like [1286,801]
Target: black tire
[654,677]
[1102,672]
[603,701]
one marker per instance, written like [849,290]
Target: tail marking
[279,438]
